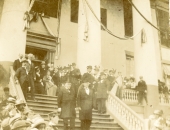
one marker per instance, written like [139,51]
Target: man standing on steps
[17,63]
[142,89]
[32,75]
[67,104]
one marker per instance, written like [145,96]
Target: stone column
[145,53]
[89,52]
[12,36]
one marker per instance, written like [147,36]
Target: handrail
[124,115]
[130,95]
[164,99]
[15,89]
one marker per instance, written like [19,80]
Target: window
[103,17]
[163,23]
[48,7]
[128,18]
[129,63]
[74,10]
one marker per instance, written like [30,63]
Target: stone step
[46,96]
[42,102]
[94,123]
[42,112]
[101,119]
[38,106]
[41,98]
[95,127]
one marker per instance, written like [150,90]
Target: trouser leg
[99,105]
[65,121]
[140,95]
[145,97]
[83,125]
[88,124]
[24,88]
[72,123]
[32,88]
[103,105]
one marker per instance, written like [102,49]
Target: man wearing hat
[85,103]
[10,105]
[22,77]
[17,63]
[67,104]
[111,79]
[142,89]
[101,93]
[53,121]
[88,74]
[75,77]
[20,105]
[31,73]
[43,69]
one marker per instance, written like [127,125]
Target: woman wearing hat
[21,125]
[50,87]
[85,103]
[38,123]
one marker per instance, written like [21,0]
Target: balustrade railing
[15,89]
[124,115]
[164,99]
[129,95]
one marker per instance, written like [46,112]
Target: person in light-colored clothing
[50,87]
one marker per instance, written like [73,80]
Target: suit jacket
[31,69]
[141,86]
[67,103]
[85,102]
[21,75]
[17,64]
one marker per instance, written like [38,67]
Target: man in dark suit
[67,104]
[142,89]
[32,75]
[22,77]
[75,77]
[43,69]
[17,63]
[85,103]
[88,74]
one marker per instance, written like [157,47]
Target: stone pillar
[89,52]
[145,54]
[12,36]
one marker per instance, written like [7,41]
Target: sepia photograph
[84,65]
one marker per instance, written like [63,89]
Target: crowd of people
[15,115]
[74,91]
[158,122]
[83,92]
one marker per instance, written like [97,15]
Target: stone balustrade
[124,115]
[164,99]
[15,89]
[129,95]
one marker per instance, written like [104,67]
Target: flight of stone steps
[45,104]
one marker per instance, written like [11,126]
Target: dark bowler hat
[89,67]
